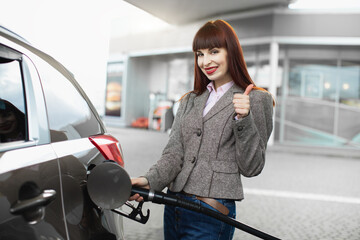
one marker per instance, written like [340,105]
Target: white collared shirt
[215,95]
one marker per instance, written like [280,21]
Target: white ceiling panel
[185,11]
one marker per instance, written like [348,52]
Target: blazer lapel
[199,103]
[223,102]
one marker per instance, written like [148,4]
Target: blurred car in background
[50,138]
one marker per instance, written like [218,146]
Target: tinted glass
[12,104]
[69,114]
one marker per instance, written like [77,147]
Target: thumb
[248,89]
[140,182]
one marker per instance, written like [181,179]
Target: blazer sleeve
[169,165]
[252,134]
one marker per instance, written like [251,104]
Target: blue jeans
[180,223]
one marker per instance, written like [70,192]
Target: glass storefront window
[251,69]
[179,77]
[114,86]
[350,83]
[321,103]
[313,79]
[348,126]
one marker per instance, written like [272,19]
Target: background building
[308,59]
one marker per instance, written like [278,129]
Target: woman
[220,132]
[12,122]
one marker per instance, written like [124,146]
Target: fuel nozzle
[163,198]
[109,187]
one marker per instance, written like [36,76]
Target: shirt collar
[220,89]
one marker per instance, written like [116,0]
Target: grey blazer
[206,155]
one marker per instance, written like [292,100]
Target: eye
[199,54]
[214,51]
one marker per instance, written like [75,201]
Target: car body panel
[55,155]
[30,165]
[36,108]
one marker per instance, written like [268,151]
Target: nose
[207,59]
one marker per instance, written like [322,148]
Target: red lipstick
[210,70]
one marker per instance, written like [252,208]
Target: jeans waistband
[211,202]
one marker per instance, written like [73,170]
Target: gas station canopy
[187,11]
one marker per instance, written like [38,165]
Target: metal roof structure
[186,11]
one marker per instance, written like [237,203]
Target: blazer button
[193,160]
[198,132]
[240,128]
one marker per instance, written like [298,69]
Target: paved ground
[302,193]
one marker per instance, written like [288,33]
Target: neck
[220,82]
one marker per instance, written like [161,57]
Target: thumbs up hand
[242,102]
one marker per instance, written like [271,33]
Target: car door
[31,205]
[72,122]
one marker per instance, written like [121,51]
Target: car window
[68,112]
[12,100]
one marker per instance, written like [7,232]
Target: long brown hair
[219,34]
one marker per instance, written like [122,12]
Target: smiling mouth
[210,70]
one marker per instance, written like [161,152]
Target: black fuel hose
[163,198]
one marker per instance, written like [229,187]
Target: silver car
[50,138]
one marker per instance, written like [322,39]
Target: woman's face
[213,63]
[8,122]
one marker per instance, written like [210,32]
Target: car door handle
[41,200]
